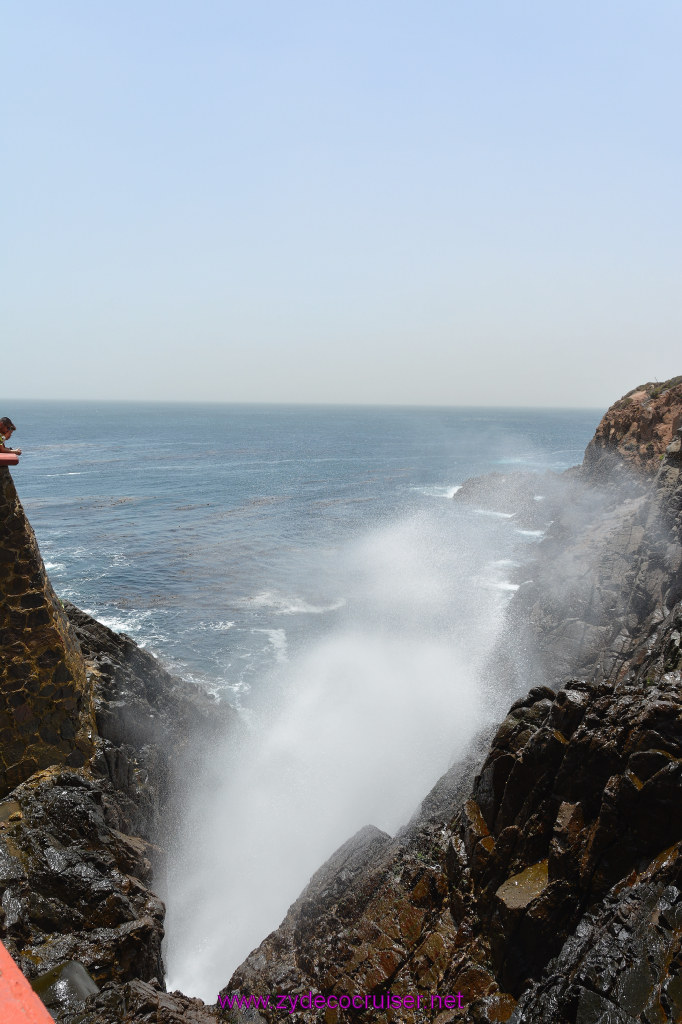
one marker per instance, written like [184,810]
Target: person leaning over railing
[7,428]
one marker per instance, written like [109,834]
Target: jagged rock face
[78,850]
[75,883]
[609,570]
[610,567]
[575,811]
[585,785]
[46,714]
[636,430]
[152,726]
[76,887]
[622,965]
[668,487]
[139,1002]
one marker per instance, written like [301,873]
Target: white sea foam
[438,491]
[495,515]
[282,605]
[54,566]
[277,639]
[537,534]
[126,622]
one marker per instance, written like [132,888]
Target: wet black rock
[81,851]
[65,987]
[76,887]
[139,1002]
[623,963]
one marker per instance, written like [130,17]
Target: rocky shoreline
[541,879]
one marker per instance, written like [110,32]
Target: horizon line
[304,405]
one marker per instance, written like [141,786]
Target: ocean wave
[495,515]
[496,583]
[532,533]
[277,639]
[216,627]
[132,622]
[438,490]
[281,605]
[55,566]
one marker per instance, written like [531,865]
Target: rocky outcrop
[610,567]
[46,713]
[76,881]
[622,963]
[81,851]
[635,431]
[153,728]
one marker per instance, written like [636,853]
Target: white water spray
[355,729]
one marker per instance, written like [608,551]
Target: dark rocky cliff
[541,880]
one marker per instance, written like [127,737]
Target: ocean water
[309,566]
[220,537]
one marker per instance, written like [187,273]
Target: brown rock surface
[46,712]
[636,430]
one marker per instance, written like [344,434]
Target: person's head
[7,428]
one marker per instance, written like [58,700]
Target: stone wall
[46,714]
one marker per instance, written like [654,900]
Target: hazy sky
[434,202]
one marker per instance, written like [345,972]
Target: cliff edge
[609,568]
[46,707]
[635,432]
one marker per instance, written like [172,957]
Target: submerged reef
[540,881]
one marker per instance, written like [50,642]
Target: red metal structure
[18,1002]
[9,459]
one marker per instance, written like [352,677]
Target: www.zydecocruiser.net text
[309,1001]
